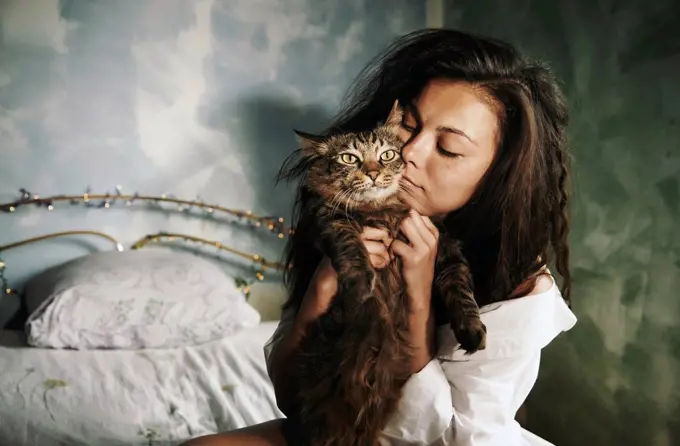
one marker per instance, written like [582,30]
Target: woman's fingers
[375,247]
[422,237]
[376,234]
[409,229]
[378,253]
[425,232]
[377,241]
[379,262]
[401,249]
[430,226]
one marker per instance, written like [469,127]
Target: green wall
[615,378]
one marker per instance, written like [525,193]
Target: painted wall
[198,98]
[615,379]
[193,98]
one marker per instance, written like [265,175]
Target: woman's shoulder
[517,326]
[542,303]
[544,283]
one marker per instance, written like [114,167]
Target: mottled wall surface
[185,97]
[615,379]
[198,98]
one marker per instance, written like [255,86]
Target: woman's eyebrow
[445,129]
[411,108]
[456,132]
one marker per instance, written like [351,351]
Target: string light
[107,200]
[261,264]
[4,285]
[3,281]
[173,237]
[243,284]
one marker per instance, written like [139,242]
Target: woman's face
[450,134]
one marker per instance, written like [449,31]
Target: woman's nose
[415,151]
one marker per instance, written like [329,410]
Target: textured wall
[185,97]
[615,379]
[198,98]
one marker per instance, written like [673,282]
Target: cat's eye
[388,155]
[348,158]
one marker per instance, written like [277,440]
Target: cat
[354,359]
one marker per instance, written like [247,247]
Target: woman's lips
[410,183]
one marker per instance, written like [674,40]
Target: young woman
[485,148]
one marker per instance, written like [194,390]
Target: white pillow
[148,298]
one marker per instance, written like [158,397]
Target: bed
[143,347]
[132,397]
[154,343]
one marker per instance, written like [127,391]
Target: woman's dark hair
[517,220]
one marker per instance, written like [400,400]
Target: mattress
[143,397]
[128,397]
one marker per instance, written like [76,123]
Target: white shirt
[471,400]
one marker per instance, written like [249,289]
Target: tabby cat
[355,358]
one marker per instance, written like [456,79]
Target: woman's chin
[409,199]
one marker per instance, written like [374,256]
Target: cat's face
[357,171]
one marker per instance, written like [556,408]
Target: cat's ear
[393,121]
[310,144]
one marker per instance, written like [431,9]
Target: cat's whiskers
[349,202]
[337,201]
[347,196]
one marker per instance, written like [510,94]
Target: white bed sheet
[111,397]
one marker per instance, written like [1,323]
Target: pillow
[147,298]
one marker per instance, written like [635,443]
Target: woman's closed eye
[447,153]
[450,145]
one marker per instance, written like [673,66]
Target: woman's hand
[418,258]
[324,283]
[377,243]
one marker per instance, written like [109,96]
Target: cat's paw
[470,334]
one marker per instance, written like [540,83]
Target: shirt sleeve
[471,400]
[488,387]
[485,397]
[284,327]
[424,411]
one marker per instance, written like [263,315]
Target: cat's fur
[353,361]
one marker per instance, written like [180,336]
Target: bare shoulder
[543,284]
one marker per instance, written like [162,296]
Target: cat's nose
[373,174]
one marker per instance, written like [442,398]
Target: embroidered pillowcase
[147,298]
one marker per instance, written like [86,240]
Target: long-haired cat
[354,359]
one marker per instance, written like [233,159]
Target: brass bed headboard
[275,225]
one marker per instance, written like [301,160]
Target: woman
[485,148]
